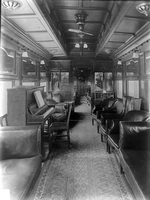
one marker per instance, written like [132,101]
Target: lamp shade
[119,62]
[77,45]
[42,62]
[135,54]
[85,46]
[25,54]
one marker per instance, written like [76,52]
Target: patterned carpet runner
[85,171]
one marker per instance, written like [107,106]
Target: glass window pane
[108,81]
[65,77]
[4,85]
[98,81]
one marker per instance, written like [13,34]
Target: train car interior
[75,100]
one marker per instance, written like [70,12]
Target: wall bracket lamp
[42,62]
[119,62]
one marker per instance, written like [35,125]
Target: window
[64,77]
[99,81]
[104,81]
[29,68]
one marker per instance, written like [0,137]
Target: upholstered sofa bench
[20,160]
[134,155]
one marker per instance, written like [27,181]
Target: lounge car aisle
[86,171]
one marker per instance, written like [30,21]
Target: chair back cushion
[119,106]
[129,103]
[134,135]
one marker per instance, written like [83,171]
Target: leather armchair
[113,127]
[134,156]
[116,112]
[122,107]
[105,105]
[20,159]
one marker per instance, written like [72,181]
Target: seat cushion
[58,126]
[18,175]
[59,117]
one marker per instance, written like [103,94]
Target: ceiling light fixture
[85,46]
[144,8]
[11,4]
[78,45]
[119,62]
[135,54]
[80,18]
[42,62]
[25,54]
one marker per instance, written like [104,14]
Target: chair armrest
[109,125]
[96,108]
[134,135]
[99,112]
[105,116]
[113,126]
[112,116]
